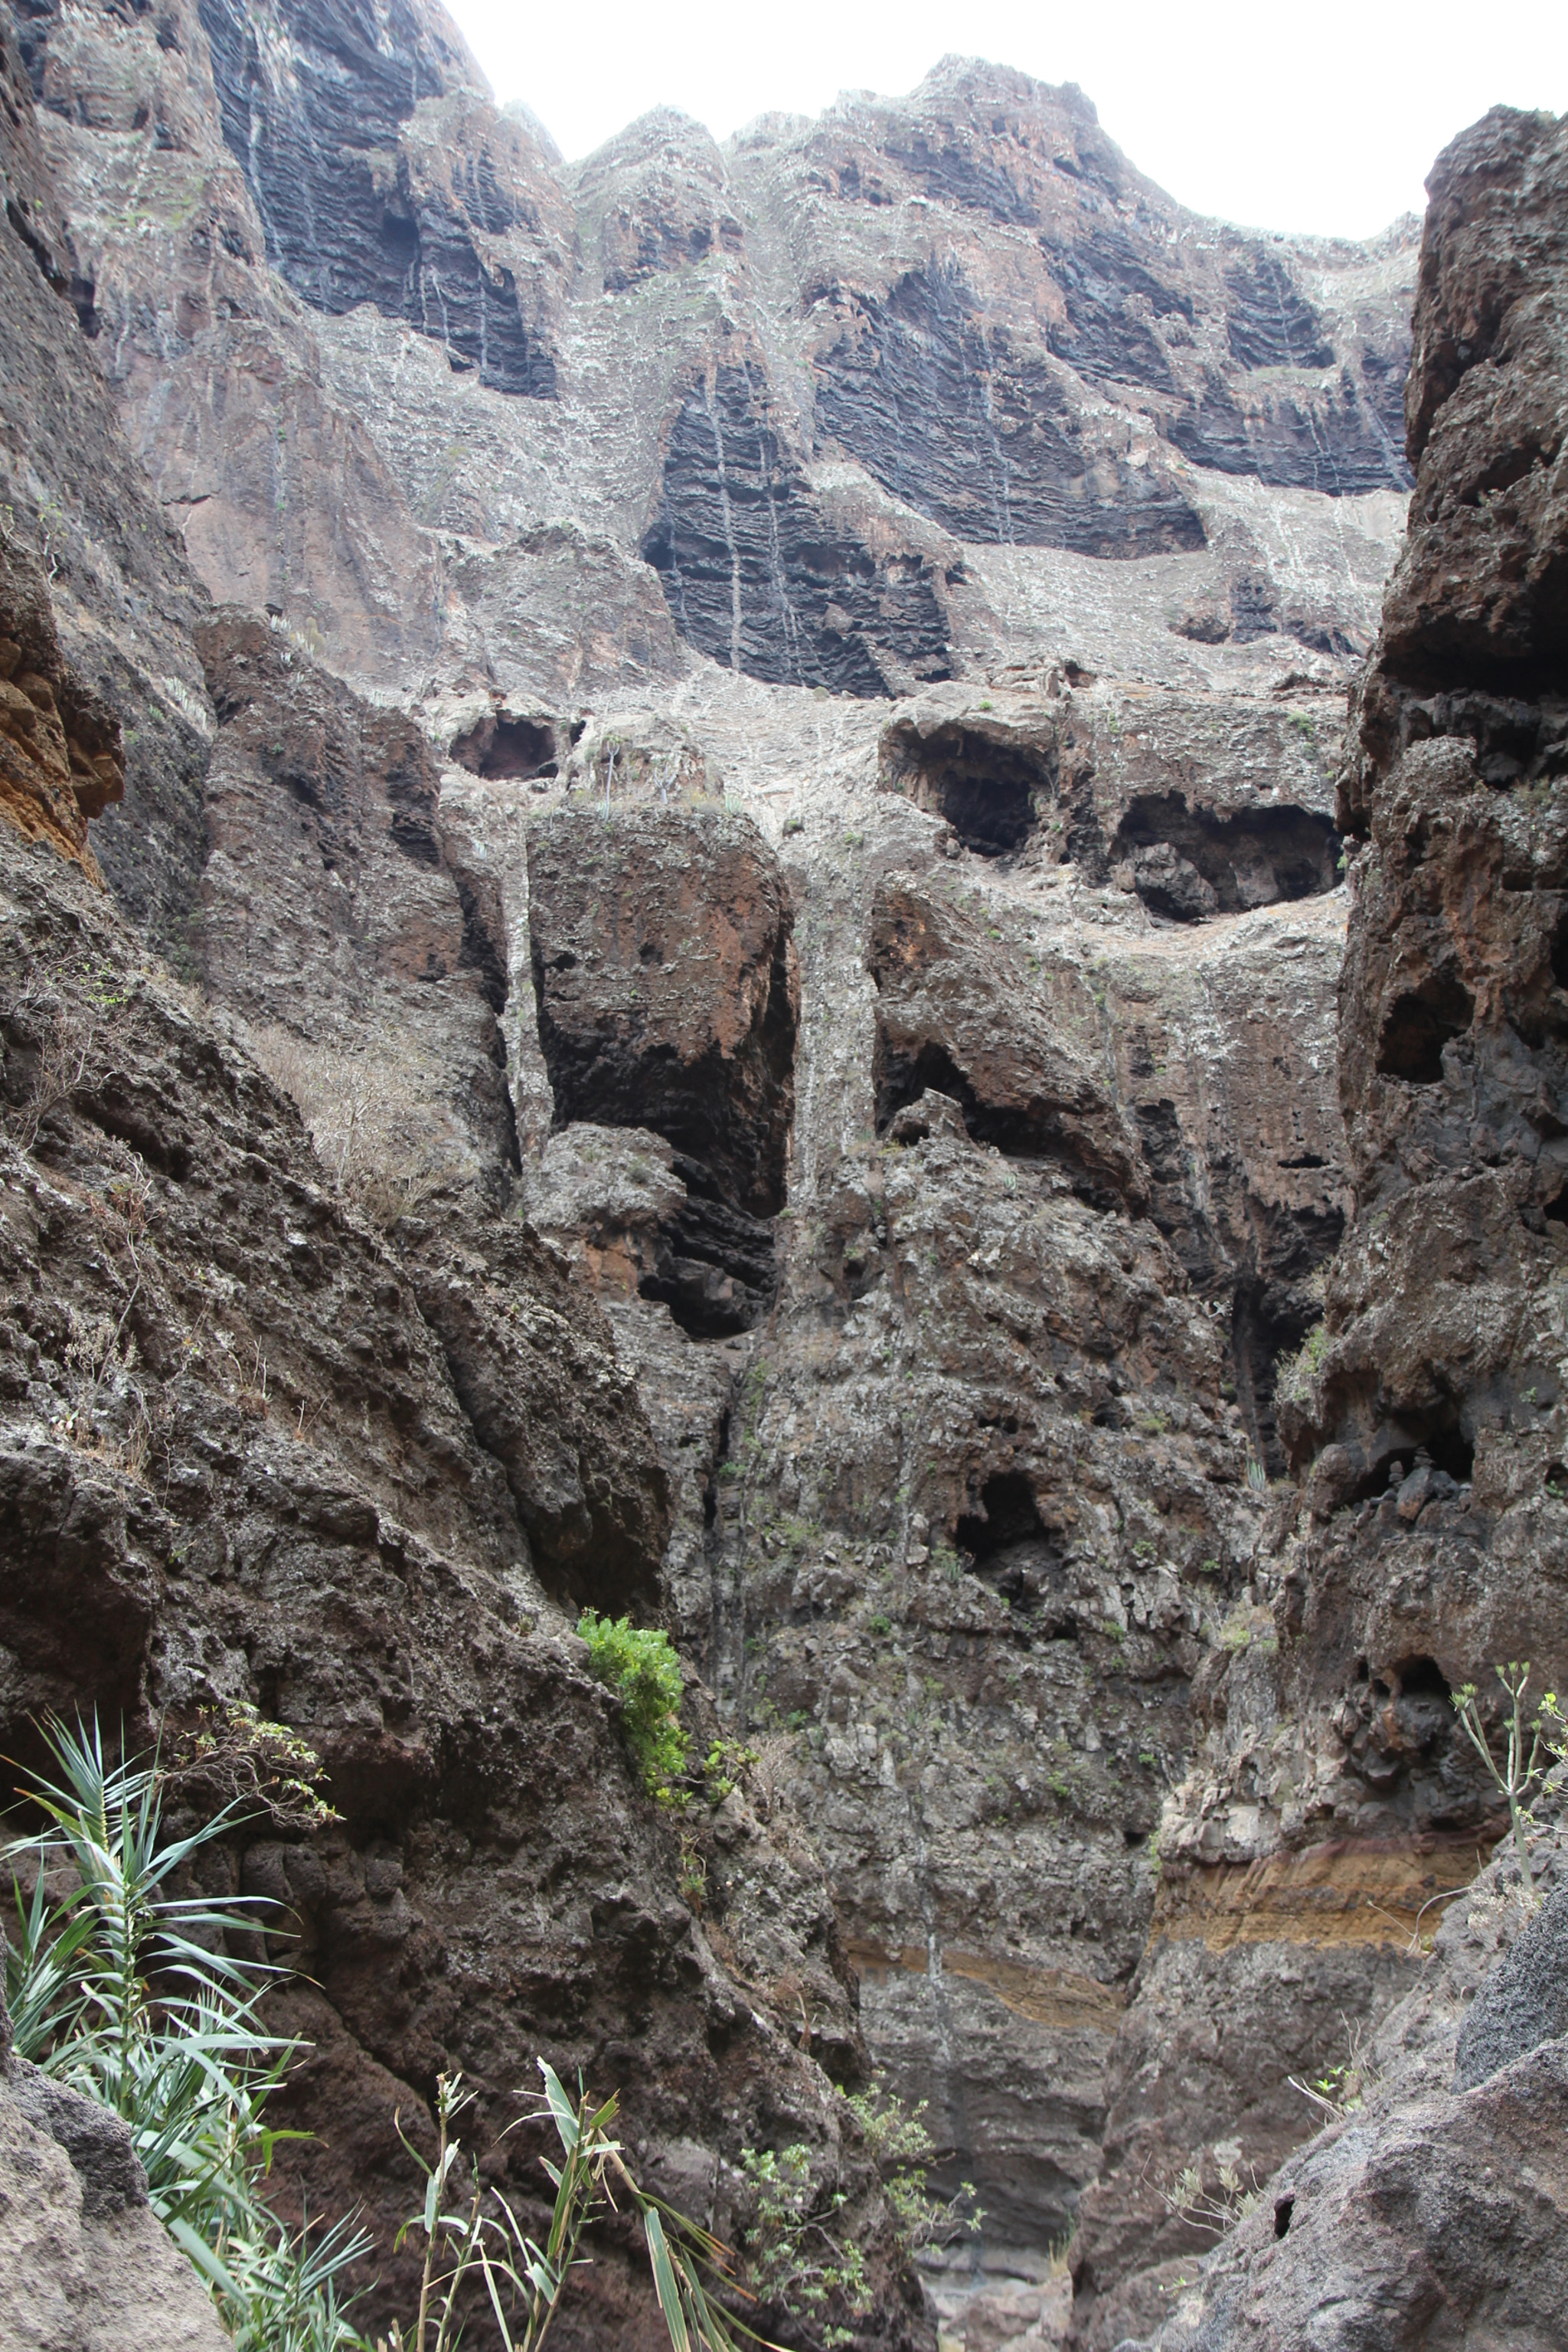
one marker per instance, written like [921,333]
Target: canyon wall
[721,992]
[1420,1545]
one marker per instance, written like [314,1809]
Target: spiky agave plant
[123,1990]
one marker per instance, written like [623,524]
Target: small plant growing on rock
[798,2257]
[123,1991]
[481,2245]
[1530,1747]
[639,1666]
[1294,1374]
[722,1766]
[1215,2210]
[1340,2091]
[235,1755]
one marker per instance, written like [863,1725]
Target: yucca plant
[123,1990]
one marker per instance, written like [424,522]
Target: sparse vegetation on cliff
[641,1668]
[1532,1744]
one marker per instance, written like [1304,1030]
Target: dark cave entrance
[499,745]
[1025,1131]
[1012,1551]
[1559,949]
[989,790]
[1189,862]
[1418,1025]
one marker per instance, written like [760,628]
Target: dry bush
[364,1121]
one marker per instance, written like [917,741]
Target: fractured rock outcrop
[664,966]
[1424,1417]
[61,758]
[892,1267]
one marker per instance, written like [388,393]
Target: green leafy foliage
[639,1666]
[477,2250]
[798,2254]
[722,1769]
[122,1988]
[797,2258]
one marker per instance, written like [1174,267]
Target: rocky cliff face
[1422,1423]
[733,765]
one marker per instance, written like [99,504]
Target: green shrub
[798,2257]
[1294,1374]
[123,1991]
[644,1672]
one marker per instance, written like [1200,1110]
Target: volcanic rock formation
[721,990]
[1423,1425]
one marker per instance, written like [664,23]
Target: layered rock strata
[820,662]
[1423,1420]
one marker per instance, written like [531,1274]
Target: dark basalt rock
[1522,2003]
[984,437]
[1270,323]
[664,969]
[316,145]
[1104,279]
[714,1267]
[756,573]
[1332,440]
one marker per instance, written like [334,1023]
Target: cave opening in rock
[1437,1436]
[1012,1550]
[1450,1451]
[499,745]
[1189,862]
[1419,1677]
[400,236]
[989,790]
[1559,949]
[1418,1026]
[1027,1131]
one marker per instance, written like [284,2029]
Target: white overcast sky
[1320,116]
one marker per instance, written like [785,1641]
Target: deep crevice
[716,1268]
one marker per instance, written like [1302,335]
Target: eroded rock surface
[1423,1418]
[782,704]
[88,2266]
